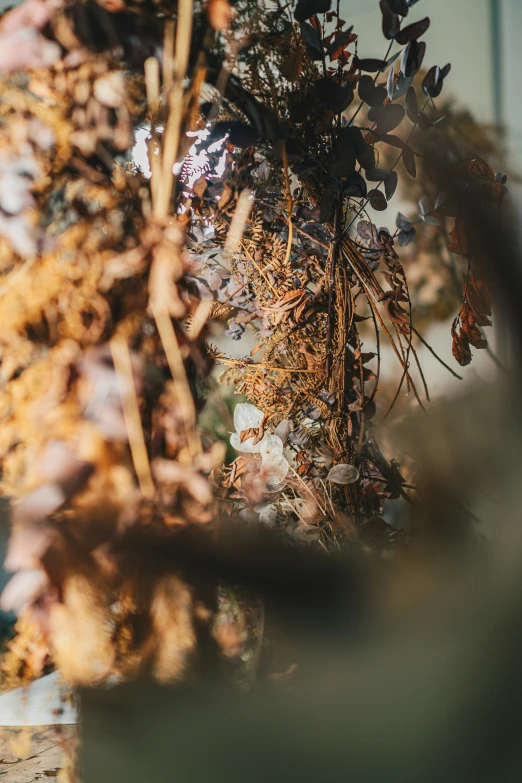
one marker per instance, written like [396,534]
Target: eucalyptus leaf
[406,236]
[431,220]
[424,206]
[312,39]
[412,109]
[387,117]
[393,141]
[390,21]
[390,84]
[402,222]
[377,200]
[307,8]
[413,31]
[390,184]
[366,158]
[373,95]
[408,157]
[413,57]
[355,186]
[377,175]
[399,7]
[370,64]
[343,474]
[401,86]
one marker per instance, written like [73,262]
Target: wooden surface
[33,754]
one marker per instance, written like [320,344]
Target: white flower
[283,429]
[271,447]
[274,465]
[246,417]
[273,473]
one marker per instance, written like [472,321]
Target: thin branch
[430,349]
[131,414]
[177,368]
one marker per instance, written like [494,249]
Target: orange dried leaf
[459,239]
[219,14]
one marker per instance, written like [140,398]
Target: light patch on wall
[195,164]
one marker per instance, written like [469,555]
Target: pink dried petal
[32,13]
[39,504]
[22,590]
[27,546]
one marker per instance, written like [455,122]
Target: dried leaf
[339,43]
[460,349]
[459,238]
[292,66]
[219,14]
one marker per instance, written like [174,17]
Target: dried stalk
[131,412]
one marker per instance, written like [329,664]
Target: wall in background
[460,33]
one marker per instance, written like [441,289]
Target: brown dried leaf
[292,66]
[459,238]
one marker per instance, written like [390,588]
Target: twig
[172,132]
[331,293]
[426,390]
[154,152]
[179,376]
[260,270]
[257,366]
[290,206]
[238,222]
[131,414]
[430,349]
[168,54]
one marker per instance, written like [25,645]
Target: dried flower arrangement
[109,279]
